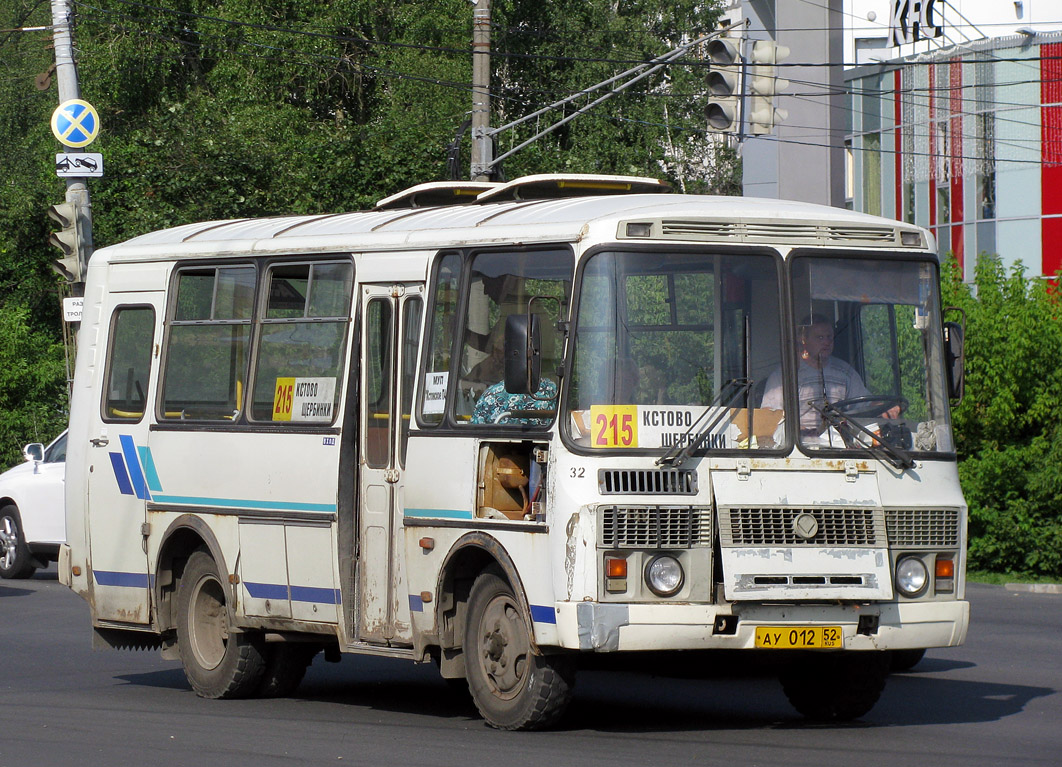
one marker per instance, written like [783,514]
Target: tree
[1009,426]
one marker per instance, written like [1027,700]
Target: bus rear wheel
[285,666]
[514,687]
[837,686]
[218,661]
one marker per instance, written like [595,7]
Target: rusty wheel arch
[471,555]
[184,535]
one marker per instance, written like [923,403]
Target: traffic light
[724,85]
[67,240]
[764,86]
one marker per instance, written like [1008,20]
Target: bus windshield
[663,340]
[868,356]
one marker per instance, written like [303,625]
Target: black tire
[835,686]
[513,687]
[285,666]
[16,561]
[904,660]
[218,663]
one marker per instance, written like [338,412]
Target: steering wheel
[870,405]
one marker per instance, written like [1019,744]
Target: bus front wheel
[514,688]
[835,686]
[218,662]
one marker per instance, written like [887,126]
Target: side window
[412,310]
[56,451]
[440,344]
[302,342]
[502,284]
[128,364]
[209,333]
[378,383]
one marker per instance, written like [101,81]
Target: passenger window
[411,314]
[206,357]
[440,345]
[378,368]
[302,342]
[128,364]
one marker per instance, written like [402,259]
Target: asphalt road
[994,701]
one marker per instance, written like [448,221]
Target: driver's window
[879,348]
[499,285]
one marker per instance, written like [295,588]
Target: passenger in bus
[820,376]
[484,353]
[496,402]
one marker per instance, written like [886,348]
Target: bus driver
[820,376]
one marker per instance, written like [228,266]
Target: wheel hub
[505,647]
[8,543]
[209,629]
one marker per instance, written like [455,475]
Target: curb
[1035,588]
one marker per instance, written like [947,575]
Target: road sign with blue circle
[75,123]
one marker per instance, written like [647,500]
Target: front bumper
[598,627]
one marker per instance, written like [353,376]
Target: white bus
[501,427]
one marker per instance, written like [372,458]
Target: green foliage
[1009,426]
[32,384]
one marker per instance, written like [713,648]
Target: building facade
[966,141]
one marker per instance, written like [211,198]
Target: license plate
[799,637]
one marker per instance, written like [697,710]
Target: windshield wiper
[680,452]
[895,456]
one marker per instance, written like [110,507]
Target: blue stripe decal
[416,604]
[439,513]
[543,614]
[313,594]
[236,503]
[120,474]
[266,590]
[297,593]
[132,462]
[128,580]
[150,474]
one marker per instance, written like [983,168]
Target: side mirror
[955,359]
[34,452]
[523,353]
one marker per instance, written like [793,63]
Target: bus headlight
[664,576]
[912,576]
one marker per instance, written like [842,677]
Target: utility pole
[75,215]
[482,143]
[66,80]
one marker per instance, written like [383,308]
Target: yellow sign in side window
[614,425]
[283,398]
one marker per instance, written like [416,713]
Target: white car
[33,510]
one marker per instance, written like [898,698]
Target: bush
[1009,426]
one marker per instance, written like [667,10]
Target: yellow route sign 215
[75,123]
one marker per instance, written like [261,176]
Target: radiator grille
[655,527]
[925,528]
[775,527]
[647,482]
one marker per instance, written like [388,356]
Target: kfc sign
[914,20]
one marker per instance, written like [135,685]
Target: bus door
[121,474]
[390,328]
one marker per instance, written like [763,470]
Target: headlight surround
[664,575]
[912,577]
